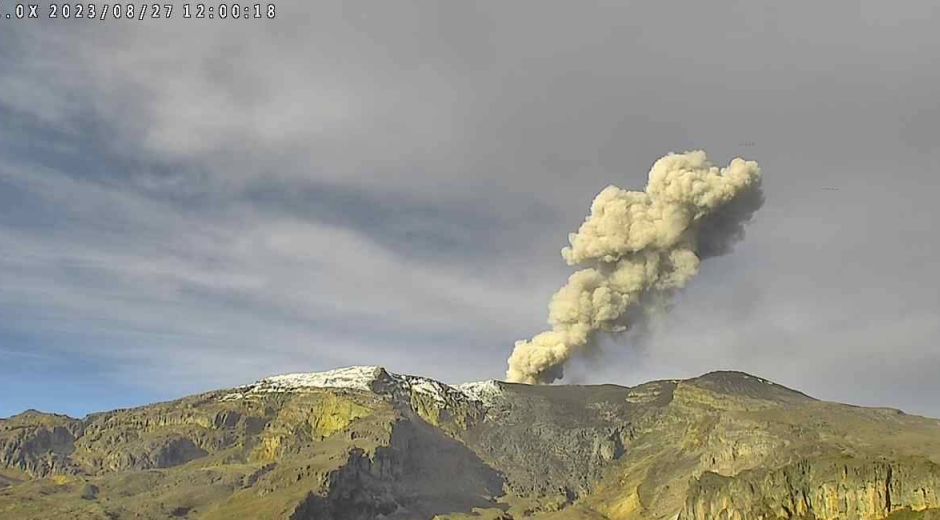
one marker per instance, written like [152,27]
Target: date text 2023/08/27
[137,11]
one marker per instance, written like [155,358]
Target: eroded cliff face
[38,444]
[364,443]
[556,442]
[419,474]
[823,489]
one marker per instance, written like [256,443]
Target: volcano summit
[364,443]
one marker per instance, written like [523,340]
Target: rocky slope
[362,443]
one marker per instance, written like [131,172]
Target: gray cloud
[366,183]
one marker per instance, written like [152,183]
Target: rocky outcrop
[822,489]
[38,444]
[420,473]
[556,443]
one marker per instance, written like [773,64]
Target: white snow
[487,392]
[430,388]
[363,378]
[357,378]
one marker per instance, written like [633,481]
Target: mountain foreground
[364,443]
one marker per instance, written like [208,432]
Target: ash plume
[639,247]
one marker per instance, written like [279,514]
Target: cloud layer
[185,205]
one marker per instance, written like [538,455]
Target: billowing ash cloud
[637,247]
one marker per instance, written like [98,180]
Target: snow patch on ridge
[357,378]
[354,378]
[487,392]
[372,379]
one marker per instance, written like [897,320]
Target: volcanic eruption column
[637,244]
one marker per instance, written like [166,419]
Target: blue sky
[187,205]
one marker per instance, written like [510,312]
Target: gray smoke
[639,247]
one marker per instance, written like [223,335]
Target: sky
[195,204]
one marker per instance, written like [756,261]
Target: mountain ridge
[364,442]
[362,369]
